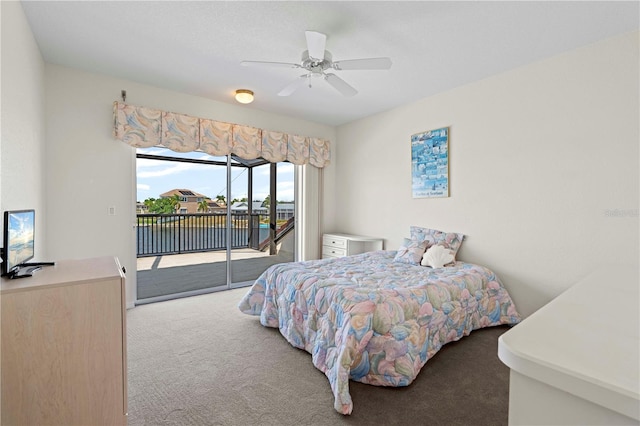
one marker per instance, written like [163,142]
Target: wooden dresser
[338,245]
[63,347]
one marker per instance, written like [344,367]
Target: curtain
[309,212]
[144,127]
[137,126]
[274,146]
[215,137]
[180,133]
[319,152]
[247,142]
[297,150]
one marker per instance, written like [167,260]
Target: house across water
[284,211]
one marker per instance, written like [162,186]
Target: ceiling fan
[316,61]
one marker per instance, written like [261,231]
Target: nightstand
[338,245]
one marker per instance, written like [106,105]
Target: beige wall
[539,158]
[22,130]
[88,170]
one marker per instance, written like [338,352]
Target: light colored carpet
[200,361]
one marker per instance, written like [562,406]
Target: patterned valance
[143,127]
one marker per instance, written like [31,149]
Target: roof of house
[182,193]
[257,205]
[243,205]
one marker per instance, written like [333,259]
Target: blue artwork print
[430,163]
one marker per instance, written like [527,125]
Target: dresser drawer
[328,251]
[333,241]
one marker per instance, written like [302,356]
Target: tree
[221,199]
[203,206]
[175,202]
[149,202]
[267,201]
[161,205]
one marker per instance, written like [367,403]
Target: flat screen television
[18,239]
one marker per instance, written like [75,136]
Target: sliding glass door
[208,223]
[270,220]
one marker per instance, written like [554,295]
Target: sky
[156,177]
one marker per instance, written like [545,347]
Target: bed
[373,319]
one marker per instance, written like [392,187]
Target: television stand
[64,345]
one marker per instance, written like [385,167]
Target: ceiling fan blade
[340,85]
[293,86]
[363,64]
[316,43]
[269,64]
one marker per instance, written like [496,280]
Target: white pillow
[437,256]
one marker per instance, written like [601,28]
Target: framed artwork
[430,163]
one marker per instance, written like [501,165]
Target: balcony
[186,253]
[160,234]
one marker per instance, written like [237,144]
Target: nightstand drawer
[328,251]
[333,241]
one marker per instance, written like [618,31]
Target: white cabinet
[64,354]
[575,361]
[338,245]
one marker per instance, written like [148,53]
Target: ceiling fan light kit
[316,61]
[244,96]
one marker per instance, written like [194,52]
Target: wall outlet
[112,210]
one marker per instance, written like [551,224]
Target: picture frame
[430,163]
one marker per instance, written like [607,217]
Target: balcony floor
[160,276]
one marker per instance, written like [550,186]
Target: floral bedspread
[372,320]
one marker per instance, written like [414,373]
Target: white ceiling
[196,47]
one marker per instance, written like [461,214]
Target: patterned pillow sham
[449,240]
[411,251]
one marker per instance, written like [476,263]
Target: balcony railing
[159,234]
